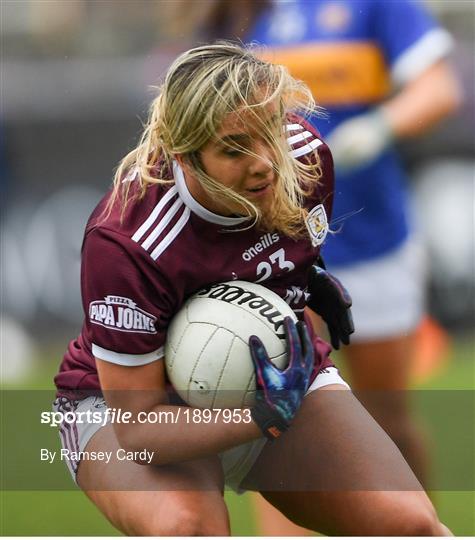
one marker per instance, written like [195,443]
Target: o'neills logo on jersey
[120,313]
[234,294]
[265,241]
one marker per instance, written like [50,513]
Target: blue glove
[330,300]
[280,393]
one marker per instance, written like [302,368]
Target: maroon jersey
[138,272]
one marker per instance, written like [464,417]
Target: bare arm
[424,101]
[417,107]
[142,389]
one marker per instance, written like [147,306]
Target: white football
[207,353]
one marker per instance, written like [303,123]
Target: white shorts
[388,292]
[236,462]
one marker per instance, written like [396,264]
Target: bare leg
[271,522]
[380,376]
[144,500]
[336,472]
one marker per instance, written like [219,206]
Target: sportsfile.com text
[119,416]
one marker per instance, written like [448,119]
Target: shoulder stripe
[154,214]
[126,359]
[306,149]
[425,52]
[164,221]
[299,137]
[174,232]
[293,127]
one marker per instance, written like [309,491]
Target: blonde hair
[200,89]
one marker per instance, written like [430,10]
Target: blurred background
[76,78]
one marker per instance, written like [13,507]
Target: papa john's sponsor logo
[123,314]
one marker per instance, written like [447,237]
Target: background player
[216,128]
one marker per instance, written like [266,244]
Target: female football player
[224,158]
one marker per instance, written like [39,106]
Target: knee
[188,521]
[422,523]
[185,520]
[414,519]
[180,522]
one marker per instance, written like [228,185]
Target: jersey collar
[196,207]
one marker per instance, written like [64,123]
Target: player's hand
[360,140]
[330,300]
[280,393]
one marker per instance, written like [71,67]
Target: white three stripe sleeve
[154,214]
[299,137]
[162,223]
[306,149]
[293,127]
[174,232]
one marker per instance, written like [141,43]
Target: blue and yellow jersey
[353,54]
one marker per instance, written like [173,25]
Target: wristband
[269,422]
